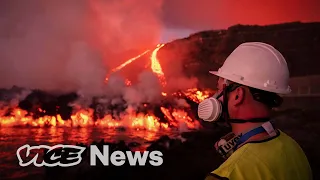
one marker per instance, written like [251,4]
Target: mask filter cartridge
[210,109]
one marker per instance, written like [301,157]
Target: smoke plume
[70,45]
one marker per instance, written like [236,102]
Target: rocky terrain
[207,50]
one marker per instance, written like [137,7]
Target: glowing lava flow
[85,117]
[197,96]
[155,64]
[126,63]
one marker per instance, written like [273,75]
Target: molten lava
[155,64]
[85,117]
[129,61]
[197,96]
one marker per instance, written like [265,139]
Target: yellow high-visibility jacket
[277,158]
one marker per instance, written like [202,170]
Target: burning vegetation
[172,110]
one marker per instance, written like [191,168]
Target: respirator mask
[216,107]
[211,109]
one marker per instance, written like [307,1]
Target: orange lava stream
[85,117]
[156,66]
[127,63]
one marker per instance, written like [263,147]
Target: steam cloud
[69,45]
[148,89]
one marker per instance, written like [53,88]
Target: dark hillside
[207,50]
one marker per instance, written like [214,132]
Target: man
[249,83]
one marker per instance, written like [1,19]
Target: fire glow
[84,118]
[175,117]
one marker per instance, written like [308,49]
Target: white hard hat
[257,65]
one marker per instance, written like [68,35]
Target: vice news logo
[71,155]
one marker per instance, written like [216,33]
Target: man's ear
[239,95]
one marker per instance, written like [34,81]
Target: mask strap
[225,103]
